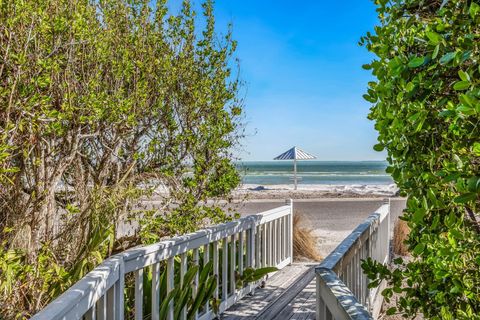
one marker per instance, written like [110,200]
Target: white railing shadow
[342,287]
[256,241]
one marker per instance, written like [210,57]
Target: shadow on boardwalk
[288,294]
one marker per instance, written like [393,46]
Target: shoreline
[313,191]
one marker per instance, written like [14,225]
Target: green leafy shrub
[427,112]
[102,104]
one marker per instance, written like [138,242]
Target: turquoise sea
[315,172]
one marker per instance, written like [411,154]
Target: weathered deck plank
[288,294]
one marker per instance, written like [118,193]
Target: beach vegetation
[104,104]
[305,243]
[426,108]
[400,235]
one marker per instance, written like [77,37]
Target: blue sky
[301,64]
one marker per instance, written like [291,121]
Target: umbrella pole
[295,172]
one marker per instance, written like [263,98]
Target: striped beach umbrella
[295,154]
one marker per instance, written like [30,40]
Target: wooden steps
[288,294]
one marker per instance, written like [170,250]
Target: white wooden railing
[342,291]
[260,240]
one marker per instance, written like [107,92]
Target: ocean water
[315,172]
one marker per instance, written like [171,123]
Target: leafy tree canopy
[103,103]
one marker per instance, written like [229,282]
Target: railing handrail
[341,301]
[84,294]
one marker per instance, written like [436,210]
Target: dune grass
[400,234]
[304,241]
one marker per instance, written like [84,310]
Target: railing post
[289,202]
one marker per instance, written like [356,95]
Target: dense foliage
[102,103]
[427,112]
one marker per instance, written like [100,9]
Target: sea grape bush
[426,108]
[101,103]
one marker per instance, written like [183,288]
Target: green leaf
[378,147]
[410,86]
[465,56]
[416,62]
[419,248]
[463,75]
[434,37]
[464,198]
[466,110]
[461,85]
[418,215]
[369,98]
[367,66]
[447,58]
[447,113]
[473,184]
[474,9]
[466,100]
[435,51]
[476,148]
[391,311]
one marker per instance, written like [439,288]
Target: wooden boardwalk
[288,294]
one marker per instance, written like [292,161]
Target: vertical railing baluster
[258,248]
[320,305]
[264,245]
[170,284]
[196,262]
[215,267]
[357,267]
[364,277]
[253,255]
[206,259]
[101,308]
[119,292]
[224,269]
[240,253]
[360,275]
[111,303]
[290,230]
[274,242]
[183,270]
[139,294]
[233,255]
[270,243]
[350,275]
[285,237]
[281,242]
[91,313]
[156,291]
[249,249]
